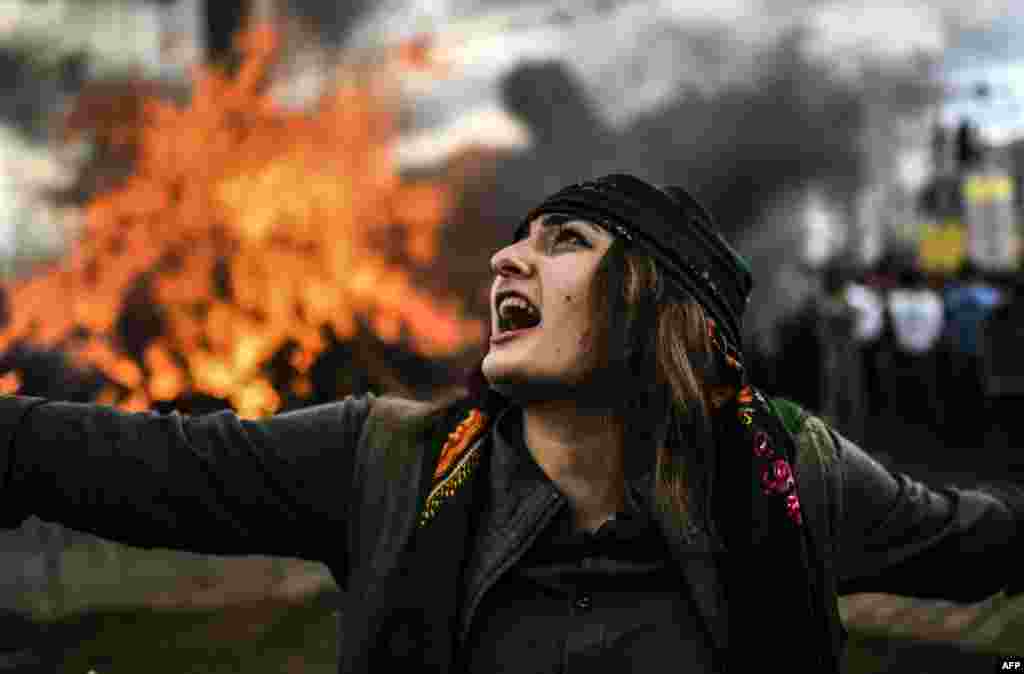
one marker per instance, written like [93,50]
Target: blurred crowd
[897,343]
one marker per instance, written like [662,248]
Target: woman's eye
[568,234]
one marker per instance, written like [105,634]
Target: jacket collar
[517,484]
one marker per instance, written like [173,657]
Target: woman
[611,495]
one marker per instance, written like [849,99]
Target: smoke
[663,47]
[751,104]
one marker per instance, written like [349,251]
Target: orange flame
[292,203]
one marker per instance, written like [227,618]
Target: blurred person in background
[916,313]
[969,300]
[842,385]
[969,146]
[799,377]
[820,362]
[610,470]
[868,305]
[881,279]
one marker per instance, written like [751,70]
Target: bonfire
[245,235]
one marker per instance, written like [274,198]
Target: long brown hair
[656,346]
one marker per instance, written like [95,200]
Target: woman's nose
[507,263]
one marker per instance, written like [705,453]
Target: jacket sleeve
[899,536]
[213,484]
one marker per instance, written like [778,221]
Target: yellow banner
[943,247]
[982,189]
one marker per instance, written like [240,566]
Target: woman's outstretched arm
[900,536]
[214,484]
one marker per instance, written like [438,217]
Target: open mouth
[515,312]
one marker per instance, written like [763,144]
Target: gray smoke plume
[752,105]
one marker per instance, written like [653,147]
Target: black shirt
[578,601]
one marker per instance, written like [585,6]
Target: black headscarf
[674,229]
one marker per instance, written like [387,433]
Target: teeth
[513,301]
[509,307]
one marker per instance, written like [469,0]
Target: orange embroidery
[448,478]
[459,440]
[746,396]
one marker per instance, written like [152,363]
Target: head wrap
[674,229]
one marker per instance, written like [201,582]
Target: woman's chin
[503,368]
[525,385]
[499,366]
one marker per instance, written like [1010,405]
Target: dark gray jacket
[344,484]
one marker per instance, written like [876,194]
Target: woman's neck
[581,451]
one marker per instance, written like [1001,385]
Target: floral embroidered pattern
[776,474]
[458,440]
[761,448]
[777,478]
[793,508]
[455,464]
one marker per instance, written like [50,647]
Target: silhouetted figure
[742,150]
[968,145]
[224,18]
[842,387]
[333,21]
[868,305]
[916,312]
[800,376]
[940,147]
[968,302]
[569,140]
[569,143]
[819,363]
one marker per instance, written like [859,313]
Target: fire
[253,227]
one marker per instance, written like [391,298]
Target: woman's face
[552,267]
